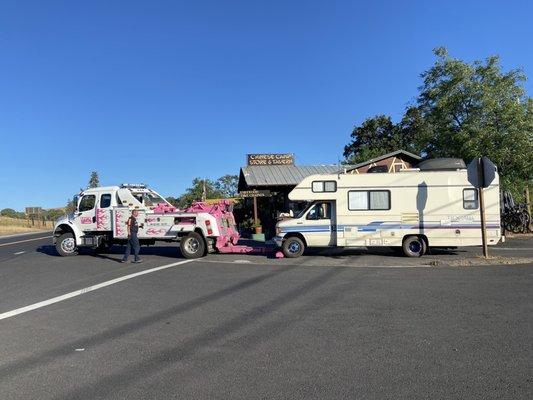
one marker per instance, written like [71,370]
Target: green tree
[463,110]
[379,135]
[473,109]
[71,206]
[53,214]
[9,212]
[227,185]
[94,180]
[200,189]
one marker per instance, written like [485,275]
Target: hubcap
[294,247]
[415,247]
[192,245]
[68,245]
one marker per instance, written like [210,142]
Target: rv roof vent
[442,164]
[377,168]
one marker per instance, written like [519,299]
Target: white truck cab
[99,221]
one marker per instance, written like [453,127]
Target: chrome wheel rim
[294,247]
[192,245]
[68,245]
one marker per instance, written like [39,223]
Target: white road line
[27,240]
[19,253]
[513,248]
[88,289]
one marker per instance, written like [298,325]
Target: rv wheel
[293,247]
[66,245]
[414,246]
[192,246]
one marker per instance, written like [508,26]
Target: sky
[161,92]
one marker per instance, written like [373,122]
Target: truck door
[86,216]
[103,212]
[320,227]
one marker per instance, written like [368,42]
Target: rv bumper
[278,240]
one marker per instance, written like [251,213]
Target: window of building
[369,200]
[105,200]
[470,201]
[87,202]
[324,186]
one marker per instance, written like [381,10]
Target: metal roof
[280,175]
[384,156]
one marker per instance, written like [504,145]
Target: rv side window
[324,186]
[470,199]
[369,200]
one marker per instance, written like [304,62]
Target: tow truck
[101,213]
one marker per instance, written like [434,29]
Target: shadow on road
[189,347]
[65,350]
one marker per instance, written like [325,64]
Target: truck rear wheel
[293,247]
[414,246]
[66,245]
[192,245]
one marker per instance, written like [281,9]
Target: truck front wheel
[66,245]
[293,247]
[192,245]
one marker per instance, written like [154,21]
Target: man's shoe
[123,261]
[138,261]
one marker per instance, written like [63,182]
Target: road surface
[252,328]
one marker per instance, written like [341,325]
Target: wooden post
[255,211]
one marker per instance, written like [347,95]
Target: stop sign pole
[481,178]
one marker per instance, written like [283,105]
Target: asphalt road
[256,328]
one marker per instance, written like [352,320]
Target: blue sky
[164,91]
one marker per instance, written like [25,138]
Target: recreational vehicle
[411,210]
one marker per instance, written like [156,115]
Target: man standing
[133,239]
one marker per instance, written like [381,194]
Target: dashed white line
[27,240]
[19,253]
[88,289]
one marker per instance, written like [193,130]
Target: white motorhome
[410,210]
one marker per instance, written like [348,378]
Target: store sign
[254,193]
[271,159]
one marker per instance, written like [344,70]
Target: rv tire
[293,247]
[414,246]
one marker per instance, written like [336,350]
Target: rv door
[320,227]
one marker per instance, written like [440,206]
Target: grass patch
[10,226]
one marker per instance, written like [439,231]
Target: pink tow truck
[99,221]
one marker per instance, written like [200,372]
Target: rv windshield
[306,208]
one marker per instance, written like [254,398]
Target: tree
[94,181]
[200,189]
[477,109]
[223,187]
[9,212]
[227,185]
[71,206]
[463,110]
[379,135]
